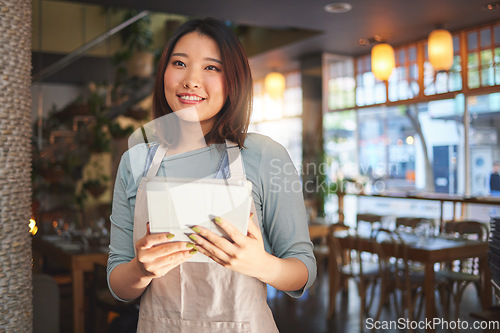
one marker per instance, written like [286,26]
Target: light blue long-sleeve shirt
[276,191]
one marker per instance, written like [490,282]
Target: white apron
[201,297]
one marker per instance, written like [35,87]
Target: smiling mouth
[191,98]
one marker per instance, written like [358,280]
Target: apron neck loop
[235,162]
[156,162]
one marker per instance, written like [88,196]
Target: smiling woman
[216,57]
[204,71]
[194,76]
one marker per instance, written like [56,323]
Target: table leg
[486,292]
[430,307]
[78,301]
[441,216]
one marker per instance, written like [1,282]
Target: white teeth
[191,98]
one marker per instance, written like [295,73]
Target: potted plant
[118,132]
[137,39]
[96,182]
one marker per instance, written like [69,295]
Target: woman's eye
[178,63]
[212,68]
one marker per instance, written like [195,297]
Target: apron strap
[235,161]
[157,159]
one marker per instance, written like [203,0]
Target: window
[369,90]
[341,83]
[443,82]
[483,56]
[484,117]
[403,83]
[280,119]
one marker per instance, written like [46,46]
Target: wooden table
[78,262]
[437,250]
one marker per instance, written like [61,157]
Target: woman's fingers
[211,256]
[231,230]
[157,261]
[214,244]
[162,265]
[162,250]
[254,230]
[151,240]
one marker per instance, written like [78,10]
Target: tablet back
[175,204]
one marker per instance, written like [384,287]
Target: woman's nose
[192,79]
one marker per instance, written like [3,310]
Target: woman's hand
[156,255]
[246,254]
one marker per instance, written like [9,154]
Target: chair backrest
[347,259]
[471,230]
[393,258]
[467,229]
[411,222]
[341,256]
[370,219]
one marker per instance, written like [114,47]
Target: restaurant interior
[389,110]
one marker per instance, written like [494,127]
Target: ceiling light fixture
[338,7]
[274,84]
[440,49]
[383,61]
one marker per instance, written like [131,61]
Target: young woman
[204,66]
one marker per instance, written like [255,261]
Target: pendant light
[383,61]
[440,49]
[274,84]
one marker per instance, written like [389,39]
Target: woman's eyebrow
[186,56]
[214,60]
[179,55]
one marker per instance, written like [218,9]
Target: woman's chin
[189,114]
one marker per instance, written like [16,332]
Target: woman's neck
[191,137]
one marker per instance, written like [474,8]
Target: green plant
[137,37]
[117,131]
[96,181]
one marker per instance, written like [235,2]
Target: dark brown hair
[231,122]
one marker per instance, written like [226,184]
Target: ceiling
[399,21]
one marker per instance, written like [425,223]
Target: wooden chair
[411,222]
[370,219]
[318,233]
[454,278]
[346,263]
[103,304]
[397,278]
[45,304]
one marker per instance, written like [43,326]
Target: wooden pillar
[16,314]
[312,131]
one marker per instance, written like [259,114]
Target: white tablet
[176,204]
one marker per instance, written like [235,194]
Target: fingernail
[193,237]
[196,229]
[170,236]
[193,251]
[218,220]
[251,215]
[189,245]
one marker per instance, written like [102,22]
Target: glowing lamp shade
[383,61]
[275,84]
[440,49]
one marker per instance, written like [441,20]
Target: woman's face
[194,77]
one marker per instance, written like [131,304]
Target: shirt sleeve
[121,247]
[284,214]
